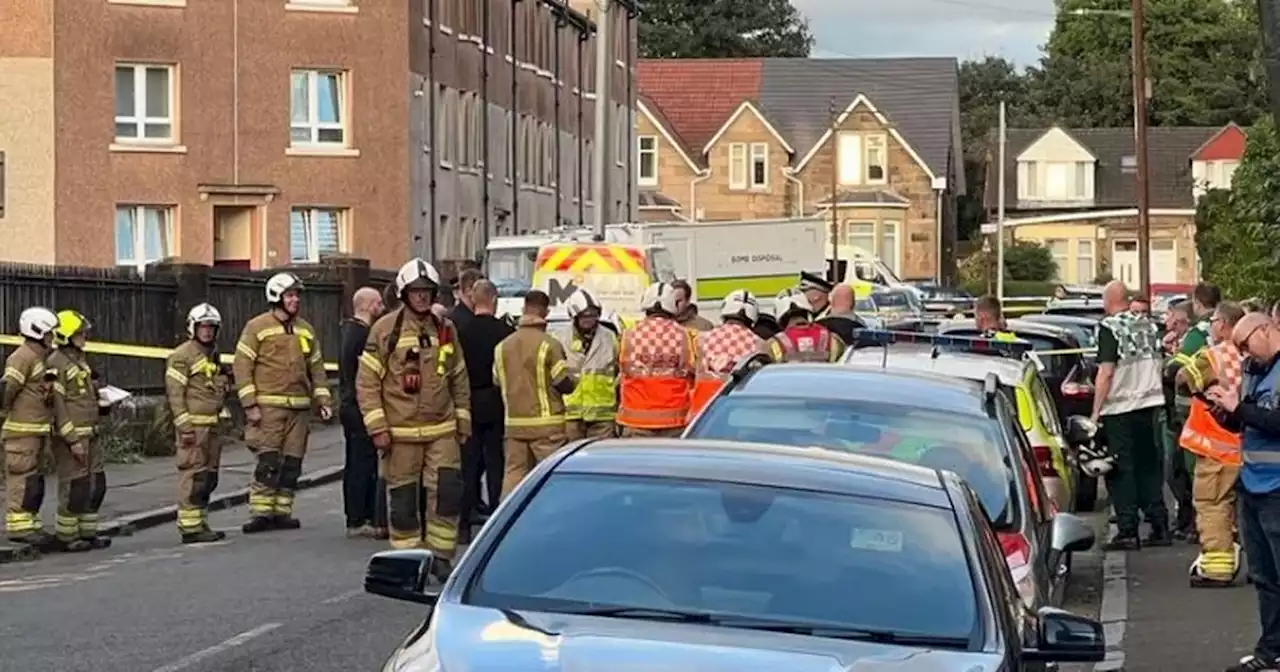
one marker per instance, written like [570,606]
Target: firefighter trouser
[279,440]
[24,485]
[198,465]
[523,454]
[1214,492]
[410,469]
[82,485]
[588,429]
[640,431]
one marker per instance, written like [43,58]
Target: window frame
[313,124]
[169,213]
[738,166]
[1060,261]
[881,139]
[758,155]
[140,119]
[849,158]
[313,243]
[1081,257]
[641,153]
[894,261]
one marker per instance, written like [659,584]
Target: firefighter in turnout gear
[592,357]
[801,339]
[280,376]
[721,348]
[533,375]
[28,403]
[196,385]
[82,476]
[415,398]
[657,360]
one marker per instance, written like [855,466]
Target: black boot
[1159,537]
[97,542]
[256,524]
[73,546]
[205,536]
[285,522]
[40,542]
[1124,542]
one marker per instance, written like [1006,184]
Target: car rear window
[969,446]
[756,552]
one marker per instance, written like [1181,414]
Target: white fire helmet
[416,274]
[580,301]
[741,304]
[36,323]
[280,283]
[790,302]
[660,296]
[203,313]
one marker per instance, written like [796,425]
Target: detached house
[1074,191]
[730,139]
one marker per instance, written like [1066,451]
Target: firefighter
[593,357]
[657,360]
[82,476]
[533,376]
[720,349]
[28,404]
[415,399]
[196,385]
[280,376]
[801,339]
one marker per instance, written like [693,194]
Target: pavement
[144,495]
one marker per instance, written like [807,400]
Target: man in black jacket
[483,454]
[841,319]
[363,498]
[463,304]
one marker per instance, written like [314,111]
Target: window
[314,232]
[1058,248]
[861,236]
[849,152]
[759,165]
[1031,185]
[624,133]
[1056,181]
[318,116]
[478,111]
[737,166]
[445,14]
[889,245]
[1129,164]
[1084,261]
[463,124]
[588,171]
[144,104]
[1081,179]
[889,553]
[877,159]
[647,160]
[144,234]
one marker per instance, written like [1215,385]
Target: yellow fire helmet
[70,323]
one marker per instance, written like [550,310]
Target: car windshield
[741,553]
[969,446]
[511,270]
[864,305]
[895,301]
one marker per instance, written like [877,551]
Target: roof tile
[698,95]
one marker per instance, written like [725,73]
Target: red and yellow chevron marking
[591,259]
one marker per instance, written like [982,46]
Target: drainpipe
[693,192]
[558,84]
[514,170]
[433,231]
[582,76]
[937,267]
[791,175]
[235,94]
[486,173]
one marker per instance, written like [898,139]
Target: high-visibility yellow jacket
[279,365]
[595,362]
[194,386]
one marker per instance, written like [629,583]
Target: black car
[968,427]
[671,554]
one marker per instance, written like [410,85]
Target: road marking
[343,597]
[214,650]
[1115,607]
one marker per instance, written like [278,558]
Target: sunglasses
[1243,344]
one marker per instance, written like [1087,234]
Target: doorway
[233,227]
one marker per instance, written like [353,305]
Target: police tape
[137,351]
[1067,351]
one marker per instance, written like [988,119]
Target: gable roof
[745,107]
[861,101]
[919,96]
[1169,151]
[654,112]
[1227,144]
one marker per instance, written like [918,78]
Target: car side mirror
[1080,430]
[1063,637]
[402,575]
[1071,534]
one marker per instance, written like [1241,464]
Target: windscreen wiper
[837,631]
[649,613]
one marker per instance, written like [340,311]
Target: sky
[965,29]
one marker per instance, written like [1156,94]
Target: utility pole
[836,276]
[604,131]
[1000,210]
[1269,23]
[1140,148]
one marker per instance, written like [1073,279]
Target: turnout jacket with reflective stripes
[76,388]
[30,406]
[194,386]
[279,364]
[403,343]
[530,368]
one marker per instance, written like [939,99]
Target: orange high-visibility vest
[718,351]
[1202,434]
[656,361]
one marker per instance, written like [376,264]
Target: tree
[723,29]
[1238,233]
[1201,59]
[983,84]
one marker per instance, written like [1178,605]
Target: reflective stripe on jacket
[28,401]
[656,361]
[528,366]
[76,388]
[595,399]
[718,351]
[194,386]
[279,364]
[805,343]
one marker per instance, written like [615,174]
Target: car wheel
[1086,493]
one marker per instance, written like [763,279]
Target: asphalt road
[280,602]
[283,601]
